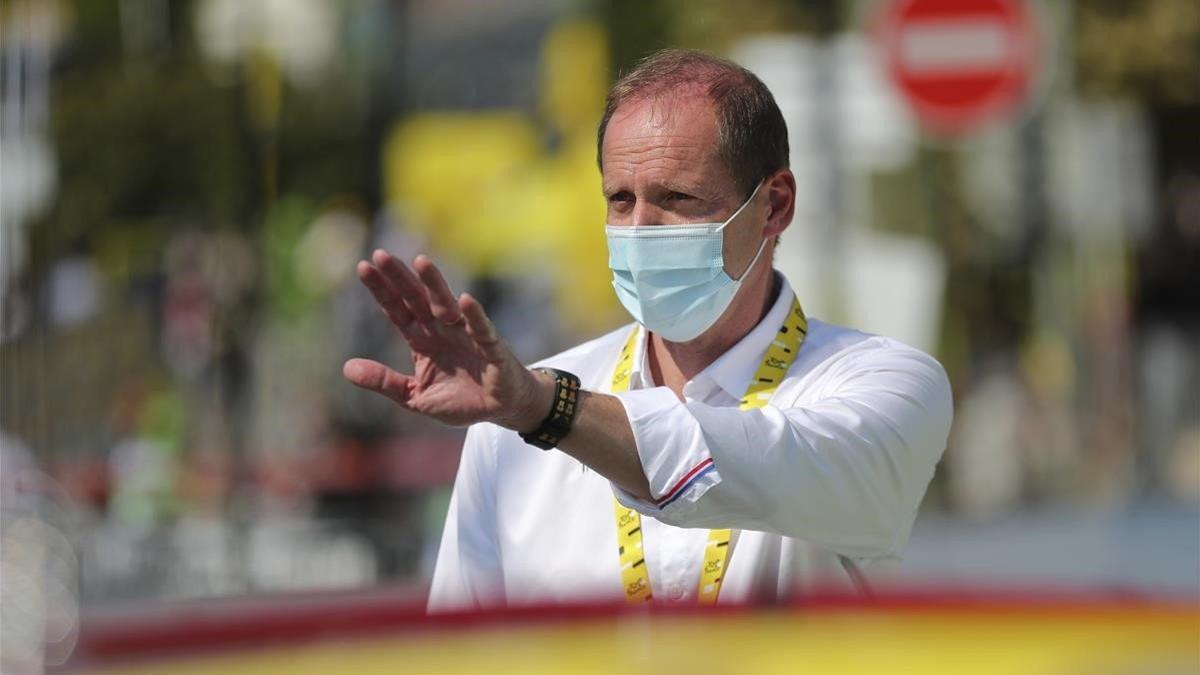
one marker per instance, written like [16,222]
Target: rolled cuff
[674,455]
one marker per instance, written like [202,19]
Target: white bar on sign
[940,47]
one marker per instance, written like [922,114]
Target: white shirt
[836,464]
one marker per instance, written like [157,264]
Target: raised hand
[462,371]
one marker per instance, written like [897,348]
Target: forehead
[675,135]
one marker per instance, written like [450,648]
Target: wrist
[564,403]
[536,404]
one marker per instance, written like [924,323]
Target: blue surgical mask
[671,278]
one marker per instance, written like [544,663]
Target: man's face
[662,167]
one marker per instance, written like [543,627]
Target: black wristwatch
[557,424]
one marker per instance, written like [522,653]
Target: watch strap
[558,421]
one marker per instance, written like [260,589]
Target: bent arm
[846,471]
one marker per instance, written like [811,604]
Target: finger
[480,327]
[379,378]
[441,301]
[406,283]
[385,294]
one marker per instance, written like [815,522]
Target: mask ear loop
[740,208]
[761,246]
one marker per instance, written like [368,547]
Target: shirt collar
[733,369]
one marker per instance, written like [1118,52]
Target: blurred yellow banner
[504,194]
[977,639]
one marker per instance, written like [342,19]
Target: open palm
[462,371]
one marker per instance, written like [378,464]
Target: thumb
[377,377]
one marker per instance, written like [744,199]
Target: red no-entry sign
[958,63]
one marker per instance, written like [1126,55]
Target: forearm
[601,437]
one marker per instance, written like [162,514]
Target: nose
[646,213]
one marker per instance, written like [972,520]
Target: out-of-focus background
[186,185]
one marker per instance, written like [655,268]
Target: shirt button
[675,591]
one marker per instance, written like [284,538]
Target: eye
[679,196]
[620,197]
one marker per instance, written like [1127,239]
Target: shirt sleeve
[468,574]
[846,471]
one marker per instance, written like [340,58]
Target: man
[750,451]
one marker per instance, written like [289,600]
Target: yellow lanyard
[634,576]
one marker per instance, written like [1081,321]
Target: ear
[781,201]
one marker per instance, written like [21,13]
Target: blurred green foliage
[1150,50]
